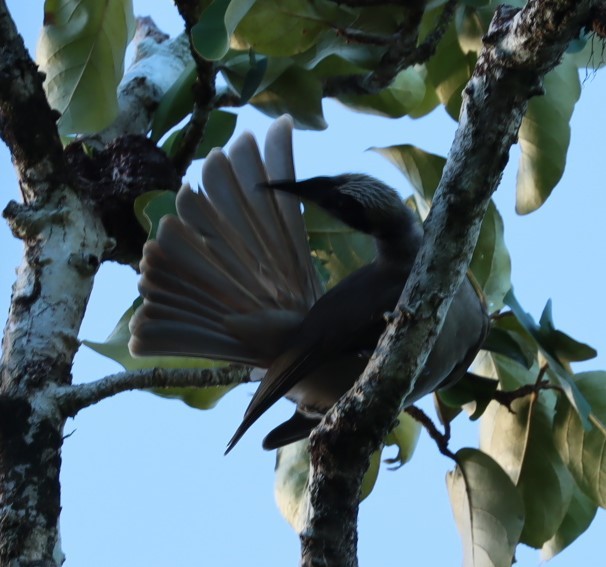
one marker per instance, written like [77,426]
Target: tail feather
[231,276]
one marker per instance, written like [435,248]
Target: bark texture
[520,47]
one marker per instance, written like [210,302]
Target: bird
[231,277]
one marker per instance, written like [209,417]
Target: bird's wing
[232,272]
[335,326]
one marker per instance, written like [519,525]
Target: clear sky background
[144,480]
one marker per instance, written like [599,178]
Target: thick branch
[522,48]
[24,110]
[71,399]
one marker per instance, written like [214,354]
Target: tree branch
[71,399]
[24,110]
[204,93]
[521,47]
[64,241]
[402,53]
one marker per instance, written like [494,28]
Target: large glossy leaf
[403,95]
[81,51]
[212,34]
[488,510]
[585,451]
[544,136]
[116,348]
[285,28]
[522,443]
[176,103]
[340,249]
[578,518]
[150,207]
[296,92]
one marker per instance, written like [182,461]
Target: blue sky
[144,479]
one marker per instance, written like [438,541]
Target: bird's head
[360,201]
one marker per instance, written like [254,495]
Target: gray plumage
[232,278]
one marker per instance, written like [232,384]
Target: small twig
[506,398]
[441,439]
[204,92]
[71,399]
[364,38]
[424,51]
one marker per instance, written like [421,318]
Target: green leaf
[500,341]
[218,131]
[296,92]
[405,436]
[490,263]
[422,169]
[450,68]
[212,34]
[81,50]
[150,207]
[291,485]
[176,103]
[403,95]
[339,248]
[584,451]
[555,370]
[523,444]
[116,348]
[471,25]
[487,509]
[565,348]
[284,28]
[544,136]
[253,78]
[474,392]
[578,518]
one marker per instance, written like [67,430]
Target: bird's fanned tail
[231,275]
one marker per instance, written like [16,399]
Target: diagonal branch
[204,93]
[24,110]
[402,53]
[520,48]
[71,399]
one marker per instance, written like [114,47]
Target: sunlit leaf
[116,348]
[291,485]
[544,136]
[212,33]
[405,436]
[585,451]
[81,50]
[488,510]
[284,28]
[523,445]
[578,518]
[450,68]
